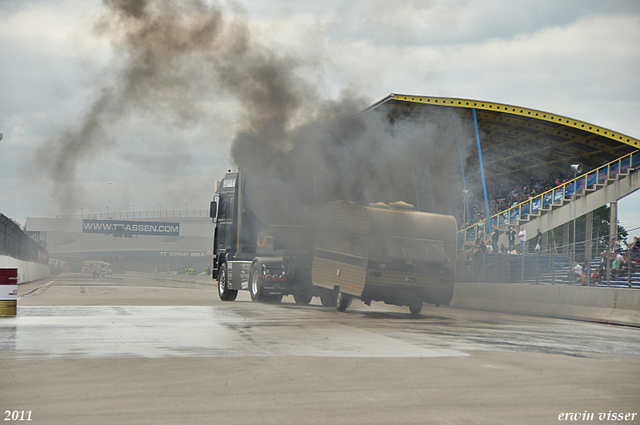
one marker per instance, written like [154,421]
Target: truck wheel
[224,293]
[328,299]
[342,301]
[302,295]
[255,286]
[416,308]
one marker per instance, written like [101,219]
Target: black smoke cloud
[174,57]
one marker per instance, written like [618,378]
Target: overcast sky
[576,58]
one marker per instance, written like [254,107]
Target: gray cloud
[536,54]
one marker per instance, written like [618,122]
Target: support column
[588,244]
[565,239]
[613,233]
[613,221]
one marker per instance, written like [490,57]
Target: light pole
[577,169]
[465,193]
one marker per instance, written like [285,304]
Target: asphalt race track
[144,349]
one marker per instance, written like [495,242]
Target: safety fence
[554,266]
[16,244]
[589,180]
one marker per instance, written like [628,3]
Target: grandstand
[473,149]
[141,241]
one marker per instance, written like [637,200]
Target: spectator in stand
[624,264]
[511,234]
[615,265]
[538,241]
[495,235]
[523,240]
[635,249]
[614,246]
[481,248]
[489,247]
[576,271]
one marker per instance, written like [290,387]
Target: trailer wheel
[342,301]
[225,293]
[327,299]
[302,295]
[416,308]
[255,286]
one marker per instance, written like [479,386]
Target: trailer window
[427,250]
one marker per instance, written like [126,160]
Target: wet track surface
[145,349]
[251,329]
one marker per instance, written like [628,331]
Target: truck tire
[342,301]
[225,293]
[255,286]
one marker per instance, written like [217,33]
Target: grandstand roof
[516,141]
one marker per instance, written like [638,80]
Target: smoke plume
[175,57]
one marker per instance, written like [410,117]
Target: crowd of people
[620,261]
[504,195]
[517,241]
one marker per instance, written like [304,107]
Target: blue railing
[585,181]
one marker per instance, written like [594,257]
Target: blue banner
[557,194]
[504,219]
[613,169]
[602,174]
[625,163]
[569,188]
[536,204]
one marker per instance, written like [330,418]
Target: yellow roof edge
[515,110]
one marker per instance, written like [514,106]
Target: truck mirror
[213,209]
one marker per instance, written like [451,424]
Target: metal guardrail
[16,244]
[585,181]
[139,215]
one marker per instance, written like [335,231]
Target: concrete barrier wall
[27,271]
[607,305]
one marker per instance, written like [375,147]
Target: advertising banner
[126,228]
